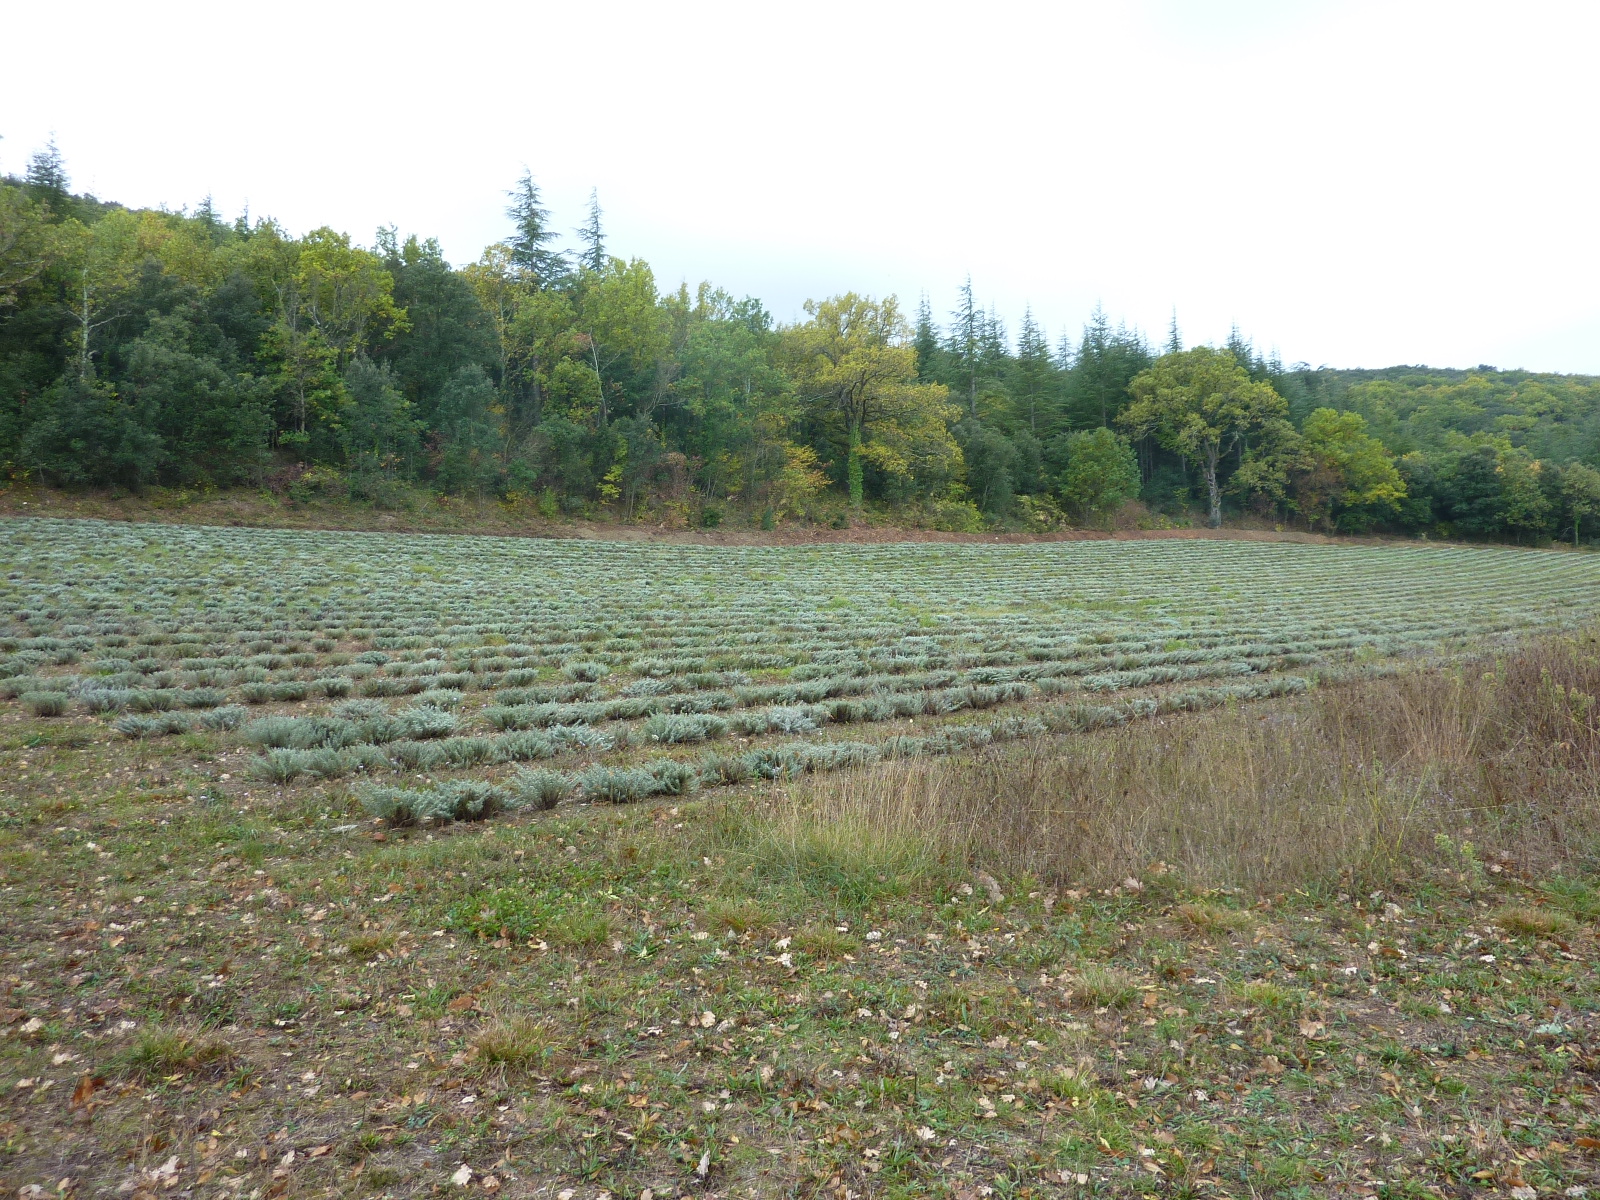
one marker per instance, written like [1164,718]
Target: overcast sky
[1352,183]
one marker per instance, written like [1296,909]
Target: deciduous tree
[1200,403]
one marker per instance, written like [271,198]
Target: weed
[514,1043]
[1213,918]
[1104,987]
[160,1050]
[1524,921]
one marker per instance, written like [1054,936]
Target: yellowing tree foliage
[856,369]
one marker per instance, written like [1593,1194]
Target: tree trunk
[853,474]
[83,321]
[1213,493]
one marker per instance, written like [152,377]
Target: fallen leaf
[463,1176]
[87,1087]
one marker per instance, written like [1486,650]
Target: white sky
[1353,183]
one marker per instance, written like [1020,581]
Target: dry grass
[166,1050]
[1213,919]
[1361,781]
[1104,987]
[737,916]
[1523,921]
[512,1043]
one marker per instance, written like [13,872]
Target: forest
[147,348]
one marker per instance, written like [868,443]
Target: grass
[1129,955]
[1353,784]
[1525,921]
[518,1043]
[160,1050]
[1208,918]
[1103,987]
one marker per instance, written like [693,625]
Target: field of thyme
[450,678]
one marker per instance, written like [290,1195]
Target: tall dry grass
[1370,780]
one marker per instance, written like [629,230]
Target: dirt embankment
[448,515]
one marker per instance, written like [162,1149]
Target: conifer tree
[1033,373]
[966,342]
[926,339]
[531,255]
[593,254]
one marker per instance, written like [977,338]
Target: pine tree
[207,215]
[593,254]
[1034,374]
[926,340]
[1107,359]
[966,342]
[47,173]
[530,255]
[1174,338]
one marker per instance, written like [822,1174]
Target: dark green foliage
[213,426]
[199,353]
[83,434]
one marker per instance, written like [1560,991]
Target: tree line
[147,347]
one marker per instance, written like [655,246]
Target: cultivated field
[626,671]
[1077,921]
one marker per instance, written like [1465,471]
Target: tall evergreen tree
[531,254]
[593,255]
[1033,374]
[966,343]
[926,340]
[46,170]
[1106,361]
[1174,338]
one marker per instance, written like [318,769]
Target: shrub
[359,710]
[585,671]
[417,756]
[456,800]
[469,751]
[101,700]
[617,785]
[795,719]
[153,700]
[669,727]
[275,732]
[527,746]
[277,766]
[440,698]
[582,736]
[420,723]
[45,704]
[674,778]
[723,769]
[134,726]
[542,790]
[229,716]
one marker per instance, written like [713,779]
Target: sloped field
[624,670]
